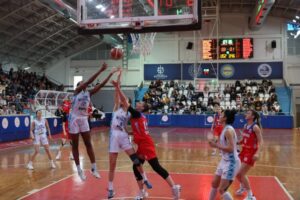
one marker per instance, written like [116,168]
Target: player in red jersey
[252,143]
[145,144]
[217,127]
[66,107]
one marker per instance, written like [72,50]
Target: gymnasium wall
[171,48]
[105,98]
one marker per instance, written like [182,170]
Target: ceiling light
[99,6]
[26,68]
[297,17]
[112,16]
[294,21]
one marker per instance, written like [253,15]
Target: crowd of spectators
[17,89]
[176,98]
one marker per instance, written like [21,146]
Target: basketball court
[183,152]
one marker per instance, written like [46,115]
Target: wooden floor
[180,150]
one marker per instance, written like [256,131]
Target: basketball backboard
[138,16]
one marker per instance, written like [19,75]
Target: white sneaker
[95,173]
[142,195]
[58,156]
[176,192]
[81,175]
[29,166]
[250,198]
[240,191]
[52,164]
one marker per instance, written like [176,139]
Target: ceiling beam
[25,30]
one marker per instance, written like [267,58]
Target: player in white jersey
[230,162]
[78,119]
[38,133]
[119,140]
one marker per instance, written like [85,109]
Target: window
[77,79]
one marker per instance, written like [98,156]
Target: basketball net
[142,44]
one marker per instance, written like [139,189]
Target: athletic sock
[213,193]
[94,167]
[250,194]
[78,168]
[30,162]
[144,176]
[227,196]
[110,185]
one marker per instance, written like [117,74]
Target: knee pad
[135,160]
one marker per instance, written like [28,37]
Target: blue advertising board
[226,71]
[162,71]
[200,70]
[253,70]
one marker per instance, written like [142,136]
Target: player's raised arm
[117,98]
[91,79]
[103,83]
[122,96]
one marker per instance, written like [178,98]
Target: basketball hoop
[142,44]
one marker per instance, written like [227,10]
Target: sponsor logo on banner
[227,71]
[264,70]
[26,121]
[4,123]
[17,122]
[160,73]
[55,122]
[165,118]
[210,119]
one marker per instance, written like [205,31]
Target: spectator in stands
[265,110]
[4,110]
[258,104]
[12,110]
[181,98]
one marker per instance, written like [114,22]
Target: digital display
[230,49]
[247,48]
[209,51]
[236,48]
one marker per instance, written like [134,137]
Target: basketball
[116,53]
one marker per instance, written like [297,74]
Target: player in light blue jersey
[230,162]
[78,119]
[119,140]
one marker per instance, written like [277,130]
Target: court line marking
[283,188]
[182,162]
[32,192]
[123,198]
[42,188]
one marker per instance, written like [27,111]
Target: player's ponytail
[256,118]
[230,116]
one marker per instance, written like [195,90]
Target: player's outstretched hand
[104,67]
[114,83]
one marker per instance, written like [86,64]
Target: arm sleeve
[134,113]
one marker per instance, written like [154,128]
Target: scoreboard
[209,51]
[238,48]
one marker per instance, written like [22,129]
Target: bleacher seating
[179,98]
